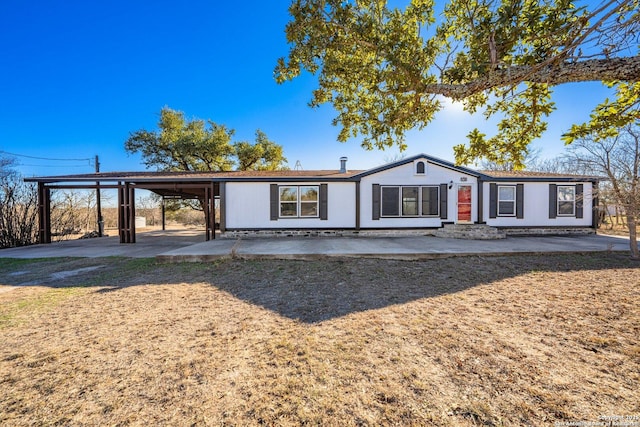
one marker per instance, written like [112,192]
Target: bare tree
[148,207]
[531,162]
[72,212]
[18,207]
[392,158]
[617,158]
[535,163]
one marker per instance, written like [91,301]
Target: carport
[205,187]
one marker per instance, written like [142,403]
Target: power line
[46,158]
[52,166]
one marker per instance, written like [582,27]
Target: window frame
[418,164]
[400,203]
[513,201]
[299,202]
[572,201]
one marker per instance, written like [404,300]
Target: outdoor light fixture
[450,184]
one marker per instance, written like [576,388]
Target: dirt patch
[18,273]
[61,275]
[56,278]
[464,341]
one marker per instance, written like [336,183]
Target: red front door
[464,203]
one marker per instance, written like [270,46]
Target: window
[390,196]
[288,201]
[506,201]
[308,201]
[566,200]
[298,201]
[430,201]
[409,201]
[420,168]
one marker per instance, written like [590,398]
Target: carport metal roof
[204,186]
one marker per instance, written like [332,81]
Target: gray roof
[302,175]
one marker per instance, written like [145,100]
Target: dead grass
[613,229]
[462,341]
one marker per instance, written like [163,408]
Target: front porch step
[470,232]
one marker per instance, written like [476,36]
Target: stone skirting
[451,231]
[239,234]
[470,231]
[549,231]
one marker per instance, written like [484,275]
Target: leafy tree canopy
[263,155]
[198,145]
[385,69]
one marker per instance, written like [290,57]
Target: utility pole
[98,204]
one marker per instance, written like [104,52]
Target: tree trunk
[633,235]
[605,215]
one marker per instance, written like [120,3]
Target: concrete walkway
[189,245]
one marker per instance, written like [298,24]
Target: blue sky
[77,76]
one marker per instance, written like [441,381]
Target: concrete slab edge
[399,257]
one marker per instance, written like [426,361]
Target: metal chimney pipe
[343,164]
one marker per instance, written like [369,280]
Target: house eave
[542,179]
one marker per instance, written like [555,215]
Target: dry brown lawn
[460,341]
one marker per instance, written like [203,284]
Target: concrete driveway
[189,245]
[149,244]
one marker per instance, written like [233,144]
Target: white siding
[405,175]
[248,206]
[536,207]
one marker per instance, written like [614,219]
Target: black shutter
[323,202]
[433,201]
[443,201]
[520,201]
[553,201]
[579,201]
[375,197]
[493,200]
[274,202]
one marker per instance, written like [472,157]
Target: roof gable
[429,159]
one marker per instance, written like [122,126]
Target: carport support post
[98,202]
[132,213]
[44,213]
[164,216]
[126,213]
[209,213]
[212,209]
